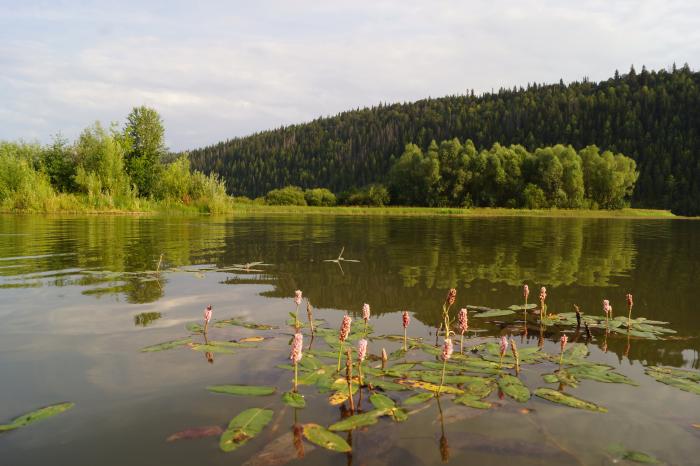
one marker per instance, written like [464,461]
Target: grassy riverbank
[457,212]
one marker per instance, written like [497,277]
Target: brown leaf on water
[697,426]
[196,432]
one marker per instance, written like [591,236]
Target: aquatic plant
[630,303]
[406,320]
[343,335]
[309,314]
[562,344]
[447,350]
[361,354]
[516,355]
[385,358]
[365,315]
[543,305]
[297,301]
[526,293]
[463,319]
[348,378]
[503,348]
[207,316]
[296,354]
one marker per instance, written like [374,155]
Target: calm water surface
[71,289]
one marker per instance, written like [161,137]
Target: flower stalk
[562,343]
[296,354]
[348,378]
[447,350]
[406,320]
[463,319]
[503,349]
[343,335]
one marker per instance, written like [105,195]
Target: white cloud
[220,70]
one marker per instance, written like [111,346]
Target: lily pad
[242,390]
[293,399]
[241,323]
[166,345]
[38,415]
[322,437]
[514,388]
[568,400]
[244,427]
[521,307]
[677,378]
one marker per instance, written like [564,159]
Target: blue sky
[219,69]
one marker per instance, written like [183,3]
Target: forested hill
[653,117]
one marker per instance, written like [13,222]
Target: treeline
[452,174]
[104,169]
[456,175]
[650,116]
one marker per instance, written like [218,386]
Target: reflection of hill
[405,263]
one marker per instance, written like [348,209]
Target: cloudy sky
[219,69]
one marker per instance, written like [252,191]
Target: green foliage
[456,175]
[320,197]
[414,178]
[375,195]
[143,137]
[651,117]
[22,187]
[290,195]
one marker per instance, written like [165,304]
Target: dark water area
[80,297]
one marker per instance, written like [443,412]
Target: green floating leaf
[38,415]
[211,348]
[359,420]
[495,313]
[244,427]
[293,399]
[241,323]
[568,400]
[472,402]
[166,345]
[380,401]
[521,307]
[314,433]
[417,399]
[449,379]
[676,378]
[514,388]
[242,390]
[194,327]
[599,373]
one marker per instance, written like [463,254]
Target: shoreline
[252,209]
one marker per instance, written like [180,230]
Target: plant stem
[365,328]
[295,377]
[340,352]
[405,348]
[442,378]
[461,344]
[359,370]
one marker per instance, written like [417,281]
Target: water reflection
[402,263]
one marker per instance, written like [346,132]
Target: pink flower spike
[504,345]
[607,308]
[463,318]
[526,291]
[297,344]
[208,313]
[365,312]
[562,342]
[406,319]
[447,349]
[297,297]
[630,301]
[361,350]
[543,293]
[345,328]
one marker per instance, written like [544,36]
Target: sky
[216,70]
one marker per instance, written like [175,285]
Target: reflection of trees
[108,253]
